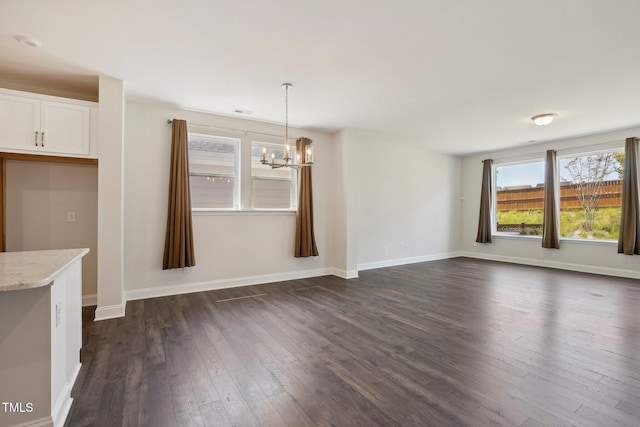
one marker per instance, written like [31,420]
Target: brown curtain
[305,244]
[629,237]
[550,233]
[484,222]
[178,244]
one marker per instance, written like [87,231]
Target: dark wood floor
[457,342]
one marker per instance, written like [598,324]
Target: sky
[520,174]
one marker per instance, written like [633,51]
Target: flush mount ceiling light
[543,119]
[302,159]
[28,41]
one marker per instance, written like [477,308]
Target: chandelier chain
[286,113]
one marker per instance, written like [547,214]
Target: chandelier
[302,159]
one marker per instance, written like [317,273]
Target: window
[519,198]
[226,173]
[271,188]
[590,195]
[213,167]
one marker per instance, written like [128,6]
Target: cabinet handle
[43,139]
[36,138]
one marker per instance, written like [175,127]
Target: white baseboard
[343,274]
[88,300]
[186,288]
[616,272]
[110,311]
[40,422]
[410,260]
[63,403]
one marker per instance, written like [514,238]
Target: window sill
[515,236]
[589,241]
[236,212]
[562,239]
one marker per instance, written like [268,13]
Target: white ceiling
[464,75]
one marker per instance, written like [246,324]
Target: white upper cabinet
[64,128]
[19,122]
[40,124]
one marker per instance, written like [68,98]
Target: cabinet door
[19,122]
[65,128]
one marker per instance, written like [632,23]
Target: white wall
[110,199]
[407,200]
[38,197]
[343,219]
[595,257]
[232,248]
[371,191]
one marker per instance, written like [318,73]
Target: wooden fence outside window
[532,198]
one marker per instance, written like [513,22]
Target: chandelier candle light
[306,159]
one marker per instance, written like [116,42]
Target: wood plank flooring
[457,342]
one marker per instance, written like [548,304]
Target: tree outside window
[590,195]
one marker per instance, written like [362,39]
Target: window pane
[213,166]
[271,194]
[272,188]
[590,195]
[212,192]
[520,198]
[211,154]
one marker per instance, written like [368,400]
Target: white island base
[40,335]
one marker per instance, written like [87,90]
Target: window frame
[536,158]
[578,151]
[243,188]
[237,142]
[586,151]
[293,177]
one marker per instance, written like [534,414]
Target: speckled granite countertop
[25,270]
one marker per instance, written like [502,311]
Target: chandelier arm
[286,165]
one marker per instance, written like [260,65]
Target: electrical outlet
[384,249]
[71,216]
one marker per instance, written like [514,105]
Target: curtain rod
[246,132]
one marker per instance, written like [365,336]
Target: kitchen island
[40,335]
